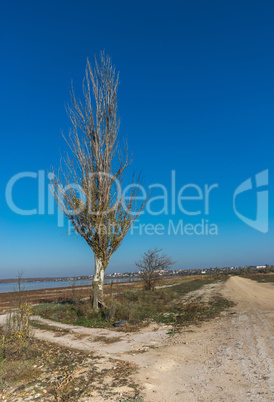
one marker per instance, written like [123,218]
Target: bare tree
[88,185]
[150,263]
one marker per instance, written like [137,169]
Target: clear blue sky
[196,96]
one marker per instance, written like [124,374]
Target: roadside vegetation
[139,307]
[264,274]
[35,370]
[47,372]
[260,276]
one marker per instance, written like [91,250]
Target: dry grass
[30,369]
[8,300]
[260,277]
[137,306]
[61,374]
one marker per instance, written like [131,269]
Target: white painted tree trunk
[98,283]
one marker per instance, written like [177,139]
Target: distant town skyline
[132,274]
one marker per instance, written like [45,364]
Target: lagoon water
[11,287]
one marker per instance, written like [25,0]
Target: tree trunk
[98,283]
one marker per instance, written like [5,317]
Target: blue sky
[196,96]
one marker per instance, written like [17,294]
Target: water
[11,287]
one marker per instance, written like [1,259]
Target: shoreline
[15,281]
[36,296]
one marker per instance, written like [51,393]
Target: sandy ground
[227,359]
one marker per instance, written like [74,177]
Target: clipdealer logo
[261,222]
[172,200]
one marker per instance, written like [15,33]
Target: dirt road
[226,359]
[229,359]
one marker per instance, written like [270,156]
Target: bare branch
[85,185]
[150,264]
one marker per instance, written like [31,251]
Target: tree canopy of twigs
[88,186]
[151,262]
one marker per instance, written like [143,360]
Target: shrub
[17,333]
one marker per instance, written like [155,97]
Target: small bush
[16,337]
